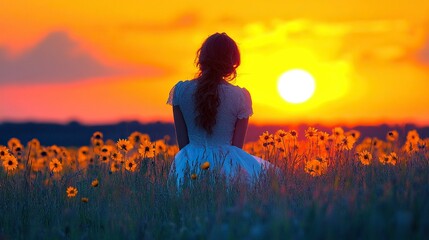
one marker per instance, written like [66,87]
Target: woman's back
[235,103]
[211,116]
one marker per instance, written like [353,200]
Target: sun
[296,86]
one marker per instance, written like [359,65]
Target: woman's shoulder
[184,83]
[239,99]
[181,83]
[237,89]
[177,90]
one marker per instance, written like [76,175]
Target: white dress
[235,103]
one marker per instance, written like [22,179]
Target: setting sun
[296,86]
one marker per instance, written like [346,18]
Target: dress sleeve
[173,97]
[245,105]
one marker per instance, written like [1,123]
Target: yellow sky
[370,59]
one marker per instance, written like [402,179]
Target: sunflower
[34,144]
[116,156]
[393,158]
[147,149]
[337,132]
[83,154]
[311,133]
[193,176]
[293,134]
[365,157]
[71,192]
[65,156]
[38,165]
[384,159]
[10,162]
[135,138]
[4,151]
[364,145]
[347,142]
[55,165]
[315,167]
[97,135]
[421,145]
[97,143]
[266,137]
[114,167]
[281,133]
[278,143]
[130,165]
[392,136]
[84,150]
[124,145]
[17,150]
[43,153]
[94,183]
[410,148]
[354,134]
[104,159]
[205,165]
[53,151]
[172,150]
[160,147]
[84,200]
[13,142]
[323,137]
[413,137]
[376,143]
[105,150]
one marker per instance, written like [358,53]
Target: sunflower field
[336,185]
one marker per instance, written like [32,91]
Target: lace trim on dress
[172,98]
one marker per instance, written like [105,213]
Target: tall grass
[349,200]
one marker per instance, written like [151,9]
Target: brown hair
[217,60]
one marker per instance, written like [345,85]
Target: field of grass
[331,186]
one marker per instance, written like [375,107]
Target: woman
[211,115]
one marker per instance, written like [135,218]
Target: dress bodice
[235,103]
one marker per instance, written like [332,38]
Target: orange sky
[107,61]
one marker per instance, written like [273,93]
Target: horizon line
[106,123]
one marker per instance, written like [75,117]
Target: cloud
[57,58]
[184,21]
